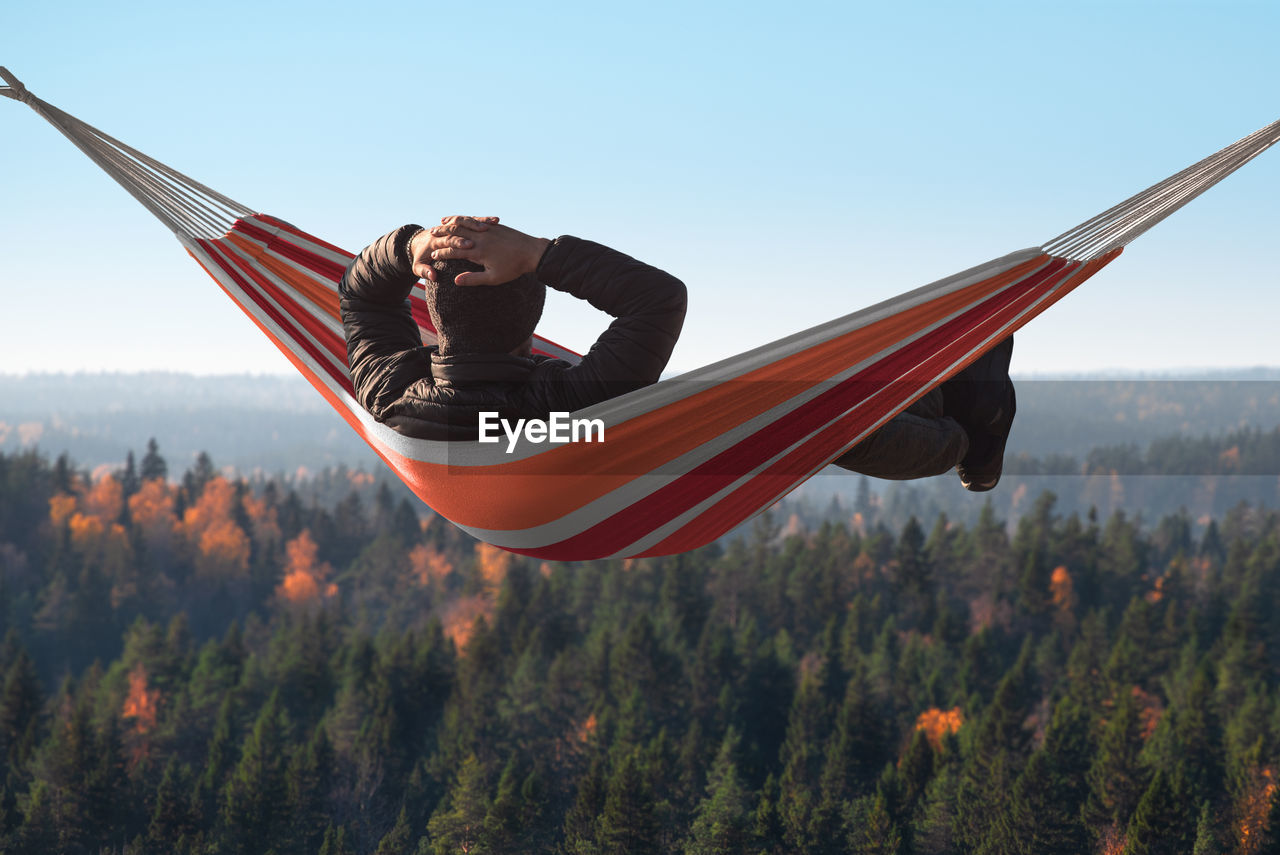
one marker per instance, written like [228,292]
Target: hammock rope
[684,460]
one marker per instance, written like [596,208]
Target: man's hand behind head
[458,236]
[505,253]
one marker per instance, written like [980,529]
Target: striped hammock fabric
[685,460]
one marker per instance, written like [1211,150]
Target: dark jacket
[419,393]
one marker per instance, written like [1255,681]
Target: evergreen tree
[397,841]
[458,825]
[172,818]
[153,465]
[1208,839]
[628,824]
[802,760]
[871,831]
[309,782]
[722,821]
[1116,778]
[1161,824]
[1044,809]
[129,480]
[20,703]
[336,842]
[580,821]
[195,478]
[504,823]
[255,800]
[994,754]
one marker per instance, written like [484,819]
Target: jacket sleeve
[384,347]
[649,306]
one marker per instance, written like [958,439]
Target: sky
[790,162]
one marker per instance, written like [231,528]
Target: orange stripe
[525,497]
[317,295]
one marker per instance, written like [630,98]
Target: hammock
[685,460]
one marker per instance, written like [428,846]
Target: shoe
[982,466]
[977,395]
[982,400]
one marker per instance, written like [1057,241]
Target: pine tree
[1161,824]
[503,824]
[871,831]
[153,465]
[309,780]
[995,754]
[20,703]
[1045,806]
[628,825]
[802,760]
[1208,839]
[722,821]
[580,821]
[336,842]
[129,480]
[255,800]
[397,841]
[458,825]
[173,817]
[1116,778]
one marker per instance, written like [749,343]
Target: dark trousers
[917,443]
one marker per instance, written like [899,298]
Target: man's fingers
[452,252]
[477,224]
[483,277]
[440,242]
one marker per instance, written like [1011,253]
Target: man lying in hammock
[485,288]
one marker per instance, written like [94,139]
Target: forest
[197,662]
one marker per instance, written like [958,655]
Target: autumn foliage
[304,578]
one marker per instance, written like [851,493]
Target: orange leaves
[460,618]
[86,531]
[304,580]
[1151,708]
[1255,805]
[222,547]
[104,500]
[152,511]
[266,526]
[90,517]
[61,507]
[936,723]
[493,563]
[1061,588]
[142,704]
[429,567]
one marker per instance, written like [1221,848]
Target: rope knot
[15,89]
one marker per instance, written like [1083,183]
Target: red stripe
[294,230]
[215,252]
[293,308]
[277,245]
[646,515]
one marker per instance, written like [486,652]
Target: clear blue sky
[790,162]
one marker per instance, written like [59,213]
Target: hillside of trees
[193,663]
[278,424]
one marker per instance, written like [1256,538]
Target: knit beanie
[482,318]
